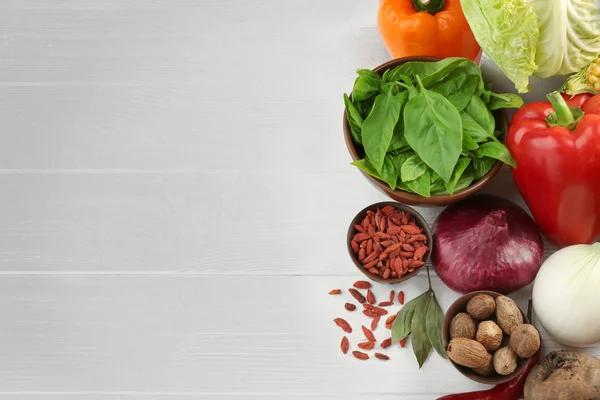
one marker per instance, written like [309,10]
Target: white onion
[566,295]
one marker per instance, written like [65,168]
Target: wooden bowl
[460,305]
[419,221]
[357,152]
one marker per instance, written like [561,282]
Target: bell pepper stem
[430,6]
[564,115]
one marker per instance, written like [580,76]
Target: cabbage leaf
[508,33]
[569,35]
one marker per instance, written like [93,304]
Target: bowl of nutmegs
[488,338]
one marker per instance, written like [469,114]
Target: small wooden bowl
[419,220]
[460,305]
[357,152]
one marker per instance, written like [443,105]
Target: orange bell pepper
[435,28]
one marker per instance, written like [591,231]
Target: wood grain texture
[175,198]
[210,224]
[271,335]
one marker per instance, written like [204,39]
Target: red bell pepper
[556,145]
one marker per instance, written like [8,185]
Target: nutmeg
[505,361]
[487,369]
[508,314]
[481,306]
[489,335]
[467,352]
[462,325]
[525,340]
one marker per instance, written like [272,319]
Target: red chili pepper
[557,150]
[511,390]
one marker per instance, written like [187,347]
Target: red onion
[486,243]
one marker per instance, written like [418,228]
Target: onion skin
[486,243]
[566,295]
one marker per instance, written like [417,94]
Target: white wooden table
[175,198]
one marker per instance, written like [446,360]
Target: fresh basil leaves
[433,129]
[427,127]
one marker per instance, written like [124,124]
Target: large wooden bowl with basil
[420,125]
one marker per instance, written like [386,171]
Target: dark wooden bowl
[460,305]
[419,220]
[356,152]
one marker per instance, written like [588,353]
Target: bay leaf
[401,327]
[434,321]
[419,339]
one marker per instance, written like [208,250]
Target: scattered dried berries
[345,345]
[370,297]
[362,285]
[343,324]
[366,345]
[368,334]
[357,295]
[374,322]
[360,355]
[372,311]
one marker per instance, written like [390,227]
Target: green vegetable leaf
[378,128]
[402,186]
[398,74]
[481,166]
[458,88]
[508,33]
[412,168]
[385,78]
[461,165]
[400,158]
[495,150]
[487,85]
[485,97]
[468,142]
[388,172]
[419,338]
[366,85]
[481,114]
[465,181]
[364,107]
[421,185]
[434,131]
[505,100]
[401,327]
[569,32]
[366,167]
[354,119]
[448,66]
[432,72]
[434,321]
[438,187]
[392,87]
[398,140]
[473,130]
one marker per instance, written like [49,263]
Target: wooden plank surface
[175,199]
[202,335]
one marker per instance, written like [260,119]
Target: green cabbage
[536,37]
[508,33]
[569,35]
